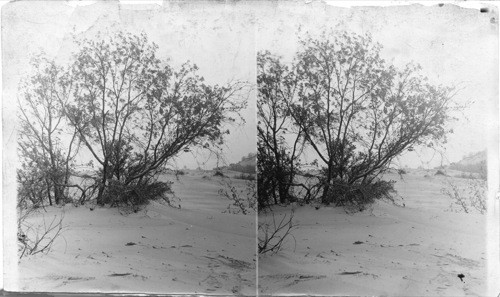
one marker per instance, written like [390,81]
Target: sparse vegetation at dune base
[419,245]
[98,205]
[187,249]
[356,130]
[351,221]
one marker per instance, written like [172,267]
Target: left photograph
[129,148]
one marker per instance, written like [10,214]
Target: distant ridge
[247,164]
[250,160]
[475,162]
[473,158]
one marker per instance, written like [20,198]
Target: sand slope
[195,249]
[414,250]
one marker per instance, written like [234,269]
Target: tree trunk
[102,186]
[48,192]
[283,193]
[57,193]
[100,194]
[324,196]
[274,193]
[325,199]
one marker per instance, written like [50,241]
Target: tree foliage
[133,112]
[46,159]
[354,110]
[277,161]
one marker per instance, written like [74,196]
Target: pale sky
[454,45]
[218,38]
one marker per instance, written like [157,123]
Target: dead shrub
[244,200]
[468,198]
[356,197]
[440,172]
[135,195]
[32,238]
[401,171]
[273,234]
[245,176]
[178,174]
[219,173]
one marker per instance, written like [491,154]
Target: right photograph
[377,128]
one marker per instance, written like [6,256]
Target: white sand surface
[416,250]
[195,249]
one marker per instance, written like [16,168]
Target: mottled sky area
[454,45]
[218,38]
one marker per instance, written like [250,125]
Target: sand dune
[195,249]
[416,250]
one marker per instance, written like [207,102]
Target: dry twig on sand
[37,239]
[272,235]
[469,197]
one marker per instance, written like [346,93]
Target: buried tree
[276,160]
[46,159]
[133,113]
[355,112]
